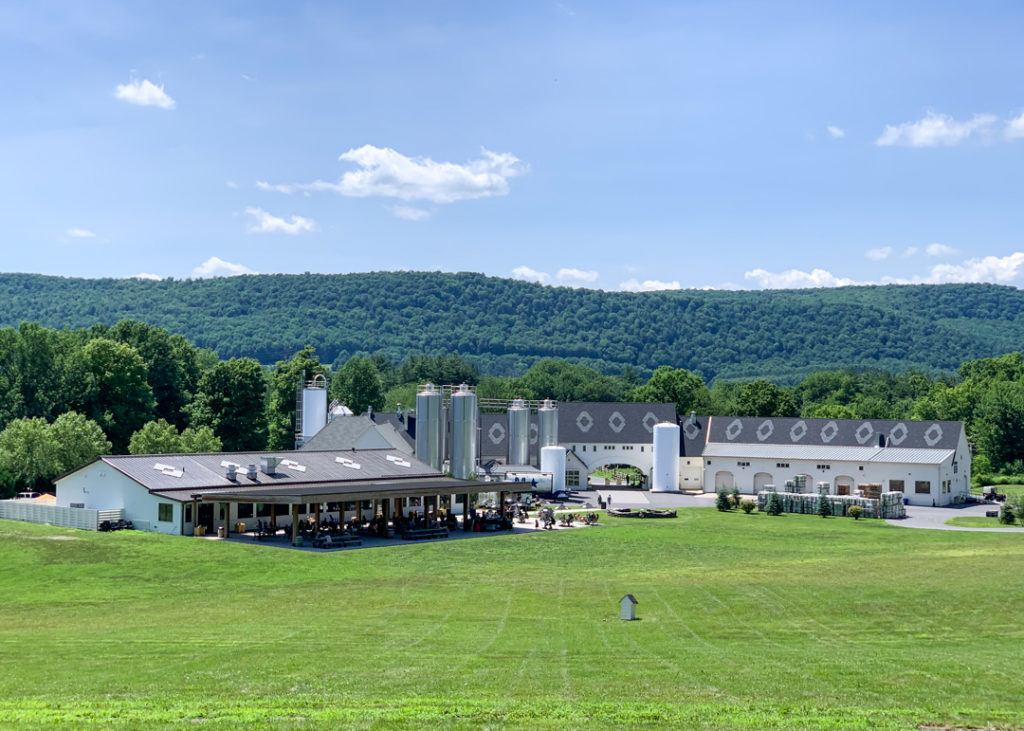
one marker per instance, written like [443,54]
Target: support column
[465,511]
[195,515]
[316,513]
[227,519]
[295,525]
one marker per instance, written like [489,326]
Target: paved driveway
[935,518]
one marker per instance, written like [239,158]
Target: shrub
[774,504]
[824,506]
[855,511]
[734,502]
[1016,504]
[748,506]
[722,501]
[1006,516]
[735,495]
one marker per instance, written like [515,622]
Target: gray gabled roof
[342,432]
[197,472]
[584,422]
[906,434]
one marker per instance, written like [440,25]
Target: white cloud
[797,279]
[935,130]
[648,285]
[231,184]
[390,174]
[909,252]
[267,224]
[836,132]
[144,93]
[883,252]
[530,275]
[576,275]
[147,275]
[80,233]
[1015,127]
[999,270]
[411,214]
[216,267]
[940,250]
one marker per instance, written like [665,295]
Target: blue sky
[630,145]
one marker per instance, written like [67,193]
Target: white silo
[547,418]
[464,428]
[314,408]
[552,460]
[665,473]
[429,426]
[518,432]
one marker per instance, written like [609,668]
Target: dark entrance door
[206,516]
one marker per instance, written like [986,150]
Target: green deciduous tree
[764,398]
[114,391]
[230,400]
[155,437]
[358,385]
[999,424]
[685,389]
[77,441]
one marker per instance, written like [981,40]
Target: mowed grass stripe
[790,622]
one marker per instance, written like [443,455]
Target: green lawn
[976,522]
[792,622]
[1004,489]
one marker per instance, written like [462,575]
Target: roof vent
[268,465]
[250,472]
[232,473]
[693,420]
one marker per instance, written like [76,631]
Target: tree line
[503,326]
[68,396]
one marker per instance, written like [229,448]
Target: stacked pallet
[793,502]
[891,505]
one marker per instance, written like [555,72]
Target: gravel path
[935,518]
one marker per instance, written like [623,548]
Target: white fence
[33,512]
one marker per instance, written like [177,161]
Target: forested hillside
[503,325]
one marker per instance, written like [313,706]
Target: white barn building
[928,461]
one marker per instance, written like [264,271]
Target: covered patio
[346,513]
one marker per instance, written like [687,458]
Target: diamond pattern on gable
[496,433]
[692,431]
[534,433]
[616,422]
[897,434]
[733,430]
[765,430]
[864,432]
[933,435]
[829,431]
[584,421]
[798,431]
[650,420]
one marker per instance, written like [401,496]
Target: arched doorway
[724,481]
[844,485]
[761,479]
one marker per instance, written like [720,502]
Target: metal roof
[820,453]
[206,471]
[836,432]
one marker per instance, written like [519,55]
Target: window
[262,510]
[743,464]
[861,468]
[782,465]
[641,449]
[895,485]
[922,487]
[572,478]
[188,512]
[824,467]
[165,512]
[954,466]
[244,510]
